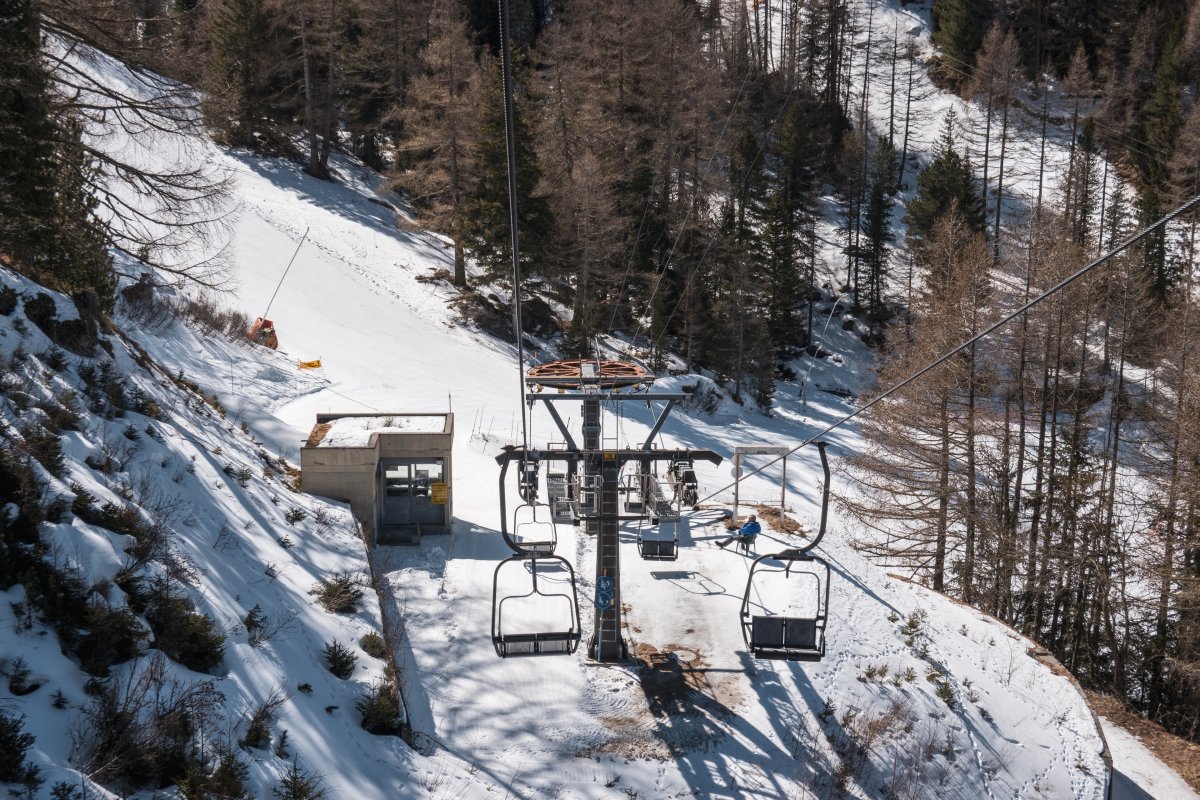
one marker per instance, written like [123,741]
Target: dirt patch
[1177,753]
[666,678]
[318,433]
[773,516]
[779,520]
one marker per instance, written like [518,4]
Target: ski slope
[702,719]
[962,710]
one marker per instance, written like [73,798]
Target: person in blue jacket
[746,534]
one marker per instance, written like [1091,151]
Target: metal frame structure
[552,642]
[588,491]
[791,638]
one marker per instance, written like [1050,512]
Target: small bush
[181,632]
[914,626]
[19,675]
[339,593]
[258,726]
[340,659]
[46,448]
[380,709]
[223,777]
[373,645]
[114,636]
[946,694]
[15,742]
[299,784]
[295,515]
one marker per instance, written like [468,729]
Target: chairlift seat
[787,638]
[537,644]
[658,549]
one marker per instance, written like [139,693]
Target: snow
[917,695]
[357,431]
[1138,773]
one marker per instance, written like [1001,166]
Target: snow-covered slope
[917,697]
[234,537]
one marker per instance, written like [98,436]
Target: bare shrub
[259,719]
[339,593]
[141,730]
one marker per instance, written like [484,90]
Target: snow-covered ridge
[237,542]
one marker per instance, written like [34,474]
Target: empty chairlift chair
[772,626]
[652,542]
[536,622]
[534,531]
[653,548]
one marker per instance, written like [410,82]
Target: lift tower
[586,488]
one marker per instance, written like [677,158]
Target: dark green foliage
[113,635]
[486,223]
[340,659]
[104,388]
[339,593]
[877,224]
[45,447]
[237,73]
[8,300]
[222,777]
[373,645]
[181,632]
[380,708]
[958,29]
[299,784]
[15,742]
[947,184]
[18,678]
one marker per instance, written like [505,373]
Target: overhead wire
[1064,283]
[510,142]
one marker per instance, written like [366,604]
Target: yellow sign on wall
[439,493]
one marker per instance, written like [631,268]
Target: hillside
[175,498]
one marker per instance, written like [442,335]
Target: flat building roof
[356,430]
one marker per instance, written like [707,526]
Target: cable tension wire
[1064,283]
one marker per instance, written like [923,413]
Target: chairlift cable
[1064,283]
[518,328]
[288,269]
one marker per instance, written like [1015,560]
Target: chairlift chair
[559,640]
[784,636]
[682,477]
[536,535]
[658,549]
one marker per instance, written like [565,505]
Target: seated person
[746,534]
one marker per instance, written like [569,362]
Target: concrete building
[393,469]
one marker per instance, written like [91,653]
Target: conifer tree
[486,225]
[238,96]
[958,30]
[946,184]
[877,224]
[26,156]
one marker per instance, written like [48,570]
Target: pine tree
[46,208]
[877,224]
[486,225]
[238,95]
[948,183]
[958,30]
[26,134]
